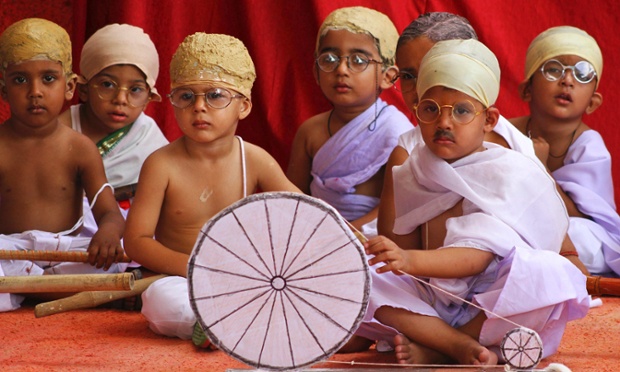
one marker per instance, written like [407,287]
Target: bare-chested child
[45,167]
[339,155]
[496,249]
[185,183]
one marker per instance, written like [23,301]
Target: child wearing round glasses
[563,70]
[118,69]
[185,183]
[483,214]
[339,155]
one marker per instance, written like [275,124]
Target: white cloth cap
[464,65]
[118,44]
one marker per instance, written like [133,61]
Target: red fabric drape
[280,36]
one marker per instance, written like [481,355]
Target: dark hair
[438,26]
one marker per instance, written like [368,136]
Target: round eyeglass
[137,95]
[356,62]
[429,111]
[554,70]
[405,81]
[217,98]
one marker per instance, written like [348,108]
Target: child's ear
[595,102]
[525,90]
[388,77]
[245,108]
[82,90]
[70,88]
[491,119]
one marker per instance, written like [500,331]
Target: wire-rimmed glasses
[405,81]
[554,70]
[217,98]
[356,62]
[137,95]
[428,111]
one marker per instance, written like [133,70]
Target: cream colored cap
[35,39]
[218,58]
[562,41]
[117,44]
[361,20]
[464,65]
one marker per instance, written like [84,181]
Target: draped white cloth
[586,177]
[353,155]
[511,208]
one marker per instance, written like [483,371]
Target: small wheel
[522,348]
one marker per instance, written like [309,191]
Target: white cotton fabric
[120,44]
[586,177]
[353,155]
[467,66]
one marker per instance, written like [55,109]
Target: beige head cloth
[563,40]
[120,44]
[217,58]
[35,39]
[464,65]
[360,20]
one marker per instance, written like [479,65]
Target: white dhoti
[165,305]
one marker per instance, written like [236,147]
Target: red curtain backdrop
[281,35]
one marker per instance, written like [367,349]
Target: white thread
[461,299]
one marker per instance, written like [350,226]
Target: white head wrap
[117,44]
[213,58]
[35,39]
[360,20]
[464,65]
[559,41]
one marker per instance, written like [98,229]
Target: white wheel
[522,348]
[278,281]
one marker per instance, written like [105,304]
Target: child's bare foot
[471,352]
[468,352]
[408,352]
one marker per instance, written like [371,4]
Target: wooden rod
[86,300]
[66,283]
[52,256]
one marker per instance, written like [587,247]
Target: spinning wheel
[278,281]
[522,348]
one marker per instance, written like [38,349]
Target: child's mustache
[442,133]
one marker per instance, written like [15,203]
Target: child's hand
[396,259]
[104,250]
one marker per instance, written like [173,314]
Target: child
[496,249]
[185,183]
[563,69]
[415,41]
[46,167]
[119,66]
[339,155]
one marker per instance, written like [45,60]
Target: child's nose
[35,89]
[568,78]
[343,65]
[122,95]
[445,119]
[200,102]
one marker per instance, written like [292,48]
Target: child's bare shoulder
[520,123]
[314,123]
